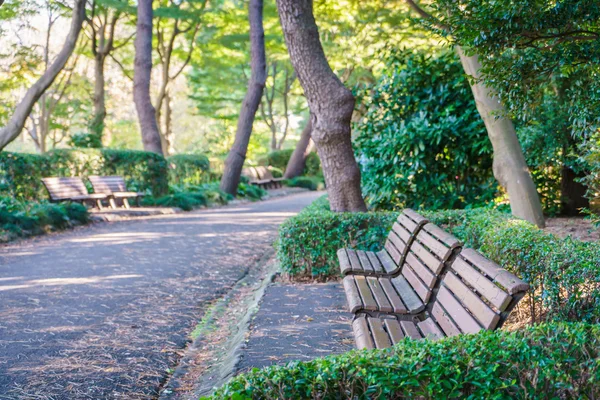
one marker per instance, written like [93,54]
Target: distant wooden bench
[261,176]
[71,189]
[265,174]
[410,290]
[115,188]
[474,294]
[388,261]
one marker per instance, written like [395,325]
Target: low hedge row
[564,273]
[546,361]
[279,159]
[20,174]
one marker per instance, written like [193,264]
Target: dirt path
[104,312]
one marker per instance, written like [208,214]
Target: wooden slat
[486,316]
[416,284]
[398,243]
[422,271]
[352,295]
[438,248]
[410,330]
[393,252]
[378,293]
[442,235]
[364,261]
[485,287]
[408,223]
[509,281]
[461,317]
[380,336]
[432,262]
[401,232]
[397,304]
[444,320]
[375,263]
[354,262]
[368,300]
[415,216]
[394,330]
[430,329]
[362,336]
[344,261]
[408,296]
[386,261]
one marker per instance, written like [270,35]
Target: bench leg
[126,203]
[99,204]
[112,203]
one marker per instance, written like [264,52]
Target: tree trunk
[16,123]
[237,155]
[97,125]
[510,168]
[168,147]
[141,78]
[331,105]
[297,162]
[573,192]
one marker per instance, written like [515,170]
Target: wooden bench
[254,178]
[266,175]
[388,261]
[410,291]
[474,294]
[71,189]
[115,189]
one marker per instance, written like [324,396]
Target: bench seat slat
[394,330]
[461,317]
[352,295]
[420,289]
[409,297]
[395,300]
[410,329]
[364,261]
[344,261]
[430,329]
[386,261]
[444,320]
[364,290]
[354,261]
[362,335]
[380,297]
[380,336]
[375,263]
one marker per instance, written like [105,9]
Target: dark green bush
[307,182]
[279,159]
[188,169]
[422,143]
[250,192]
[554,361]
[21,174]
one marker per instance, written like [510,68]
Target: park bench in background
[409,291]
[474,294]
[71,189]
[262,177]
[114,187]
[388,261]
[266,175]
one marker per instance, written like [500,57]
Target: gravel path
[104,312]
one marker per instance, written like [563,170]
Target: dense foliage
[421,143]
[306,182]
[546,361]
[280,158]
[189,169]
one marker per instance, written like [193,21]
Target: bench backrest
[403,232]
[108,184]
[427,256]
[64,188]
[475,294]
[264,173]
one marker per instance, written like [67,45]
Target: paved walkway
[104,312]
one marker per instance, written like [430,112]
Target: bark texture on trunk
[237,155]
[573,192]
[331,105]
[97,125]
[510,168]
[16,123]
[297,161]
[141,78]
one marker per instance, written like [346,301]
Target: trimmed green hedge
[279,159]
[21,174]
[306,182]
[564,273]
[546,361]
[189,169]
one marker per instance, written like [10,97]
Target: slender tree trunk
[573,192]
[141,78]
[97,125]
[510,168]
[168,148]
[237,155]
[16,123]
[297,162]
[331,105]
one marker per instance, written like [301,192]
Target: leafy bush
[546,361]
[21,218]
[250,192]
[307,182]
[422,143]
[308,242]
[21,174]
[279,159]
[188,169]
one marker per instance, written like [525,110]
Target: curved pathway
[104,312]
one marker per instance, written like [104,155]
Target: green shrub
[188,169]
[308,242]
[279,159]
[547,361]
[422,143]
[307,182]
[250,192]
[21,174]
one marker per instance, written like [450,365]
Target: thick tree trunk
[573,192]
[97,125]
[237,155]
[297,162]
[16,123]
[510,168]
[331,105]
[141,78]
